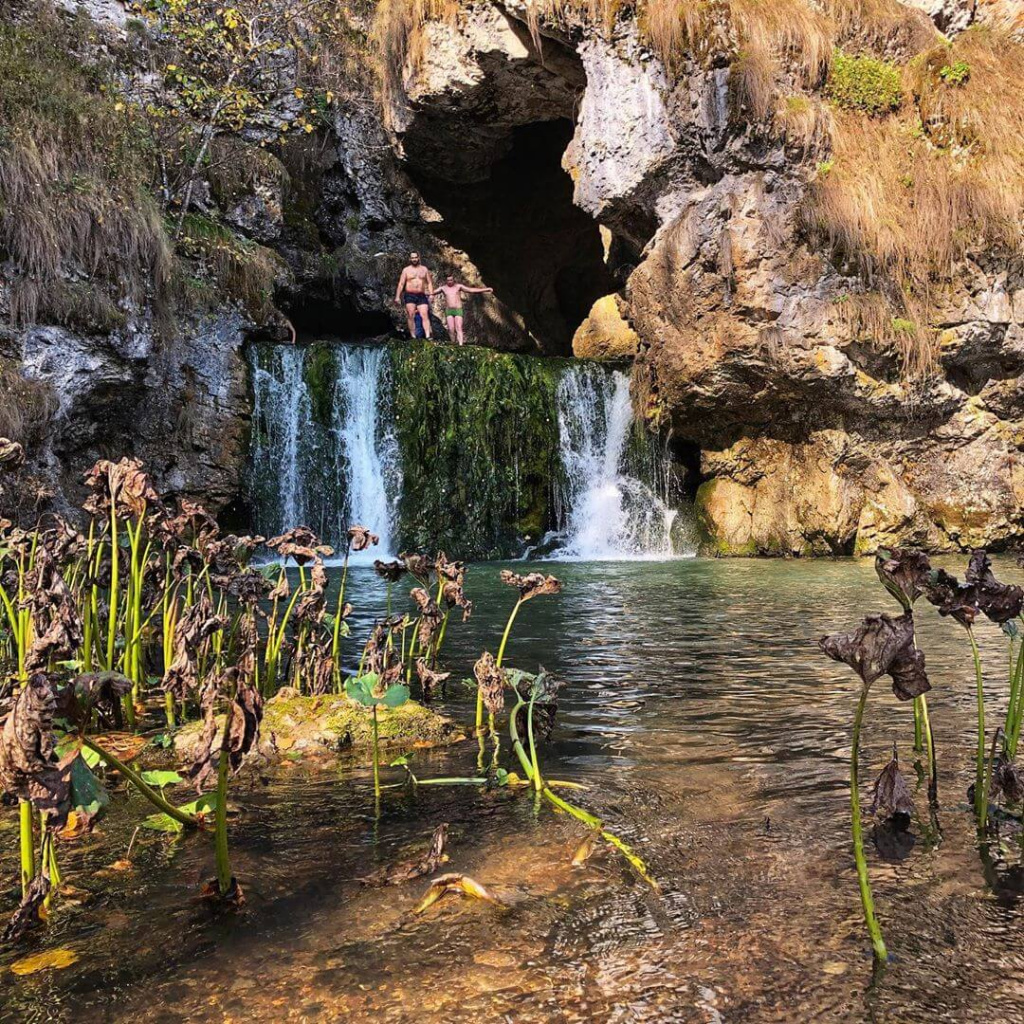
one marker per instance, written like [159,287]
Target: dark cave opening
[315,316]
[541,254]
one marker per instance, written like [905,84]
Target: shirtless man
[414,290]
[453,292]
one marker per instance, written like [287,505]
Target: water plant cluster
[885,645]
[146,617]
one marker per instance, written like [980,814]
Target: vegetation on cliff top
[107,143]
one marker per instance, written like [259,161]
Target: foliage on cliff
[77,222]
[109,142]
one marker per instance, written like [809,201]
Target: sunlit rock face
[181,405]
[811,443]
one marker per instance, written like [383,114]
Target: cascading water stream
[327,453]
[611,502]
[324,454]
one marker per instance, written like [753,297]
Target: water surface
[712,736]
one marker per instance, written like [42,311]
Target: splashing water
[324,452]
[605,506]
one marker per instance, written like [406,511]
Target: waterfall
[337,428]
[612,499]
[324,452]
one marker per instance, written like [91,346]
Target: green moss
[340,722]
[318,370]
[864,83]
[478,436]
[335,723]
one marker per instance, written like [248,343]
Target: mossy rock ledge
[294,725]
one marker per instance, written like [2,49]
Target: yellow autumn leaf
[309,128]
[119,107]
[300,93]
[57,958]
[330,96]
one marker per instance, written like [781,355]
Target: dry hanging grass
[73,170]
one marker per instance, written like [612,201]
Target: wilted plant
[902,573]
[533,585]
[882,645]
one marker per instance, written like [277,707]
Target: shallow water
[713,737]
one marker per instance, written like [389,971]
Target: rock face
[810,439]
[621,210]
[180,403]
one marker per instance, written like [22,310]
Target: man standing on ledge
[414,290]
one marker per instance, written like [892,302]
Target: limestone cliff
[680,186]
[815,432]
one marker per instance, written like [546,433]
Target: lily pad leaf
[360,689]
[88,794]
[395,696]
[206,804]
[159,779]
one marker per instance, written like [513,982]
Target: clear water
[713,736]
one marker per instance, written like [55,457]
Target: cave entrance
[542,254]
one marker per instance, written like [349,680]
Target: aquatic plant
[533,585]
[882,645]
[372,690]
[902,572]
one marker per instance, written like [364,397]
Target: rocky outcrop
[812,440]
[621,209]
[180,403]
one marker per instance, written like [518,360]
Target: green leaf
[87,792]
[395,696]
[399,762]
[360,689]
[160,778]
[206,804]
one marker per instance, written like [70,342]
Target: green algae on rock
[332,723]
[478,435]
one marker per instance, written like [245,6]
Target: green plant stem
[933,767]
[874,931]
[220,838]
[980,790]
[27,845]
[376,757]
[918,726]
[147,791]
[501,655]
[537,781]
[1015,706]
[114,588]
[336,633]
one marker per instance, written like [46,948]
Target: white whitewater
[606,507]
[366,444]
[325,475]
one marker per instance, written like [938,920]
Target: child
[453,292]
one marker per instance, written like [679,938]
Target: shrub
[956,73]
[864,83]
